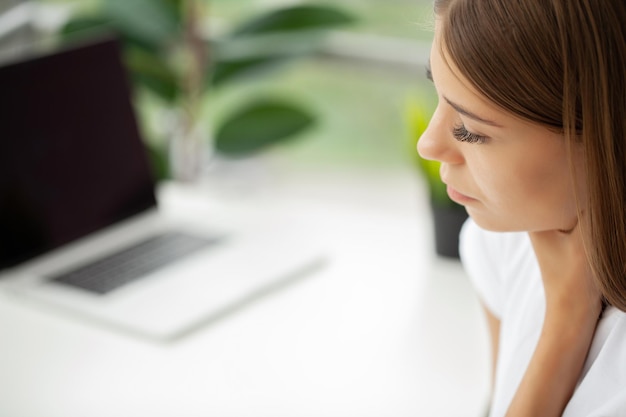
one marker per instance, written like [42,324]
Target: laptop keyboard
[130,264]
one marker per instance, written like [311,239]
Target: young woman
[531,133]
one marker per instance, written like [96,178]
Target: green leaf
[176,8]
[84,25]
[90,26]
[152,71]
[226,70]
[234,58]
[154,22]
[260,124]
[294,18]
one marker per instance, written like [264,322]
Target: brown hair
[562,64]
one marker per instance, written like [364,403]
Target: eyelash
[461,134]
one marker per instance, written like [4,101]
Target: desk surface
[384,329]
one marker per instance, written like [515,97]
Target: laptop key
[127,265]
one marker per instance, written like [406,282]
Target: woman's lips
[458,197]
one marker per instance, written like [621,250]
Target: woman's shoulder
[601,389]
[608,348]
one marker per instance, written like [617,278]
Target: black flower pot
[448,221]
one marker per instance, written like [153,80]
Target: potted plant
[448,216]
[173,55]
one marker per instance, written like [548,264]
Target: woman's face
[510,174]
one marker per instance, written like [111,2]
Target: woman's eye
[461,134]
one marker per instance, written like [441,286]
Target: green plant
[171,52]
[418,116]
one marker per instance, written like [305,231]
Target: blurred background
[242,94]
[351,73]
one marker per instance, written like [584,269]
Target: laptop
[80,227]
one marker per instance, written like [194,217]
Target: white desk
[384,329]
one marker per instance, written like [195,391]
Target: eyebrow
[469,114]
[459,109]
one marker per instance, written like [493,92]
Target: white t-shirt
[505,273]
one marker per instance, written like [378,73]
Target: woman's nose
[437,143]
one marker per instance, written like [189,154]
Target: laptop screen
[71,157]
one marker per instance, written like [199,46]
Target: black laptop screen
[71,158]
